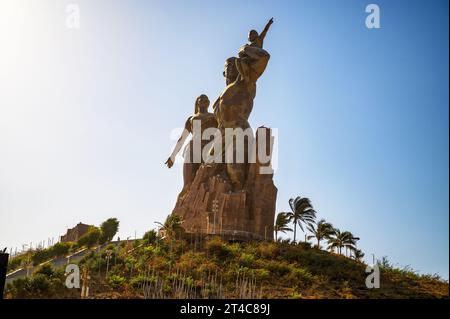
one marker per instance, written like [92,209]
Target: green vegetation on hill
[156,268]
[46,282]
[170,267]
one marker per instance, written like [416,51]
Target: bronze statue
[205,120]
[233,199]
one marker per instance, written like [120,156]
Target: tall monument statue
[229,196]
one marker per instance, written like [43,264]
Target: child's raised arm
[266,28]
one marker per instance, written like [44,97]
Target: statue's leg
[189,171]
[187,177]
[189,168]
[237,173]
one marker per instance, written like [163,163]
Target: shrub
[246,259]
[75,247]
[108,230]
[116,281]
[137,243]
[345,291]
[91,238]
[111,247]
[267,250]
[235,249]
[216,247]
[19,288]
[46,270]
[141,280]
[277,268]
[190,261]
[299,276]
[130,262]
[244,272]
[159,263]
[149,250]
[166,289]
[45,283]
[59,249]
[296,295]
[261,274]
[384,263]
[39,284]
[150,237]
[304,245]
[40,256]
[207,267]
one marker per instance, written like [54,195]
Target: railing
[226,233]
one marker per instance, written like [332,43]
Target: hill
[154,268]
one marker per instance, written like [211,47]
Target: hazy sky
[86,115]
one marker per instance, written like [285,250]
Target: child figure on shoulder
[256,41]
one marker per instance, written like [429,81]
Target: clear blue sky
[86,115]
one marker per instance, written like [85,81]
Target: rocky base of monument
[211,207]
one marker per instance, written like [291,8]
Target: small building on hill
[73,234]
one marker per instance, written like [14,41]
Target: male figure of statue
[234,105]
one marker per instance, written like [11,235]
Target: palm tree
[358,254]
[336,240]
[172,225]
[322,231]
[281,224]
[349,242]
[301,212]
[339,240]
